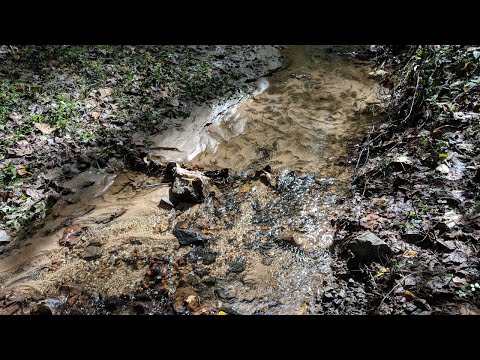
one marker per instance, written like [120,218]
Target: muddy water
[304,121]
[267,249]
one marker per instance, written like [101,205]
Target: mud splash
[268,230]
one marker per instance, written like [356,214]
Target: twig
[393,289]
[413,100]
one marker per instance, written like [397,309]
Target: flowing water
[269,238]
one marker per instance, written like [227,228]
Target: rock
[40,309]
[188,234]
[442,168]
[226,291]
[91,253]
[201,272]
[295,239]
[95,242]
[369,247]
[238,265]
[267,261]
[4,237]
[289,237]
[189,188]
[208,280]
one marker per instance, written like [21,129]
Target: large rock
[369,247]
[188,187]
[188,234]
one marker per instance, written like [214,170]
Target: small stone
[292,238]
[188,234]
[201,272]
[208,280]
[91,253]
[193,279]
[226,292]
[267,261]
[4,237]
[238,265]
[95,242]
[368,247]
[443,169]
[40,309]
[410,307]
[409,281]
[67,169]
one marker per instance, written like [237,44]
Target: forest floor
[65,109]
[416,186]
[407,237]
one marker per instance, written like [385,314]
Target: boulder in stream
[188,187]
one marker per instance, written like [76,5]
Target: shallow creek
[268,247]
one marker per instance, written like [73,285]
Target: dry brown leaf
[105,92]
[23,148]
[15,117]
[21,170]
[44,128]
[409,253]
[70,235]
[10,310]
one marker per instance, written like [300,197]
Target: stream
[268,225]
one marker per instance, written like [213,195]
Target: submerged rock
[237,266]
[369,247]
[188,234]
[91,253]
[41,309]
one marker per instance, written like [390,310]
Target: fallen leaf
[451,218]
[467,310]
[245,188]
[371,220]
[403,159]
[44,128]
[23,148]
[458,280]
[36,194]
[10,310]
[22,170]
[410,253]
[72,300]
[409,295]
[70,235]
[105,92]
[95,114]
[456,257]
[381,272]
[15,117]
[222,313]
